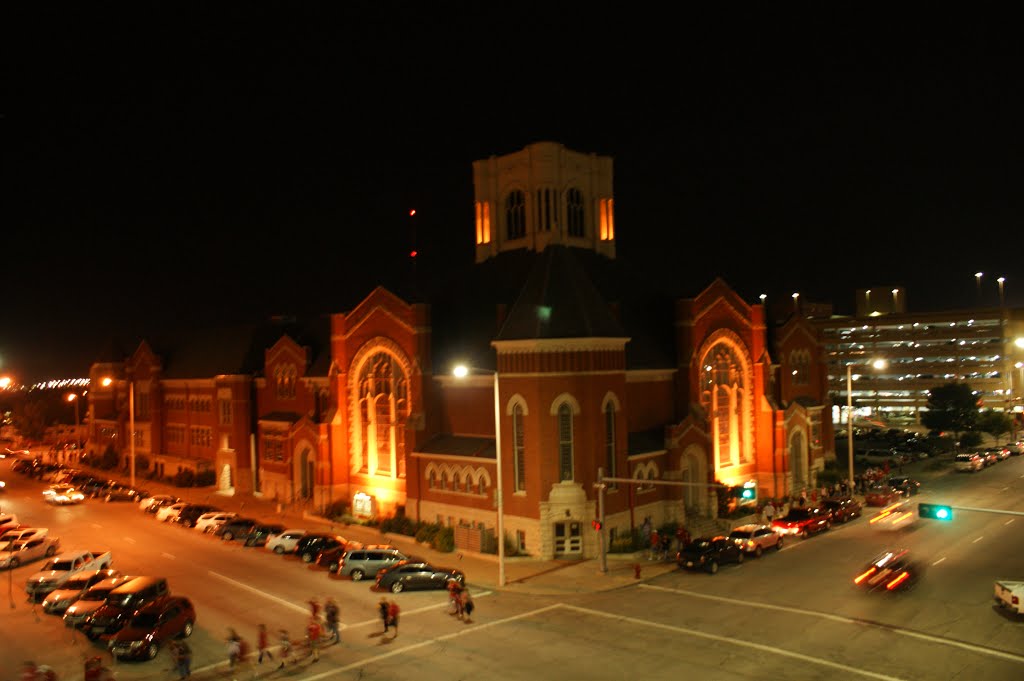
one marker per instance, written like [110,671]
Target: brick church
[592,372]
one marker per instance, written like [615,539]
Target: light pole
[895,296]
[131,427]
[1001,281]
[977,279]
[73,397]
[878,364]
[796,303]
[462,371]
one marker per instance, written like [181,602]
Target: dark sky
[191,163]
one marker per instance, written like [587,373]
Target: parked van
[121,603]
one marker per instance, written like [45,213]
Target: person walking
[261,644]
[467,605]
[655,545]
[331,619]
[393,616]
[314,608]
[382,608]
[455,598]
[769,512]
[182,655]
[313,636]
[286,647]
[234,642]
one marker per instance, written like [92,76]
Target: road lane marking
[304,609]
[167,555]
[735,641]
[838,618]
[1009,521]
[939,560]
[978,539]
[1004,489]
[129,540]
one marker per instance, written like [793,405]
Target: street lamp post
[977,280]
[73,397]
[878,364]
[1001,281]
[462,371]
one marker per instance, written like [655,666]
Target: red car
[881,495]
[152,625]
[803,521]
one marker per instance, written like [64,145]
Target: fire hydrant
[636,571]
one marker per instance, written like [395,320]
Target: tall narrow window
[519,456]
[574,212]
[483,222]
[565,462]
[515,215]
[383,411]
[607,208]
[609,441]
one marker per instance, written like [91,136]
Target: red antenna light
[413,254]
[412,212]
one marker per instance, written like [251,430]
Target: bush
[427,532]
[109,459]
[628,543]
[444,540]
[205,478]
[184,478]
[337,510]
[141,463]
[970,439]
[400,524]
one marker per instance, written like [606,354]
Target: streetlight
[461,371]
[796,303]
[877,364]
[131,426]
[73,397]
[1001,280]
[977,279]
[895,295]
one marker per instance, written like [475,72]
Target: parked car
[169,514]
[60,600]
[416,573]
[803,521]
[121,604]
[968,462]
[907,486]
[159,504]
[1016,448]
[152,625]
[898,516]
[208,523]
[25,551]
[843,509]
[261,533]
[235,528]
[8,521]
[189,515]
[891,570]
[989,457]
[62,494]
[284,542]
[881,495]
[147,502]
[123,493]
[756,539]
[7,537]
[360,562]
[92,599]
[313,543]
[707,553]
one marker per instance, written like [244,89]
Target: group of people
[460,602]
[660,543]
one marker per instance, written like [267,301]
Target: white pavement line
[166,555]
[835,618]
[978,539]
[939,560]
[735,641]
[304,609]
[96,525]
[406,613]
[1009,521]
[1004,489]
[430,642]
[129,540]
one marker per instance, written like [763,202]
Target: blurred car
[8,521]
[63,493]
[989,457]
[261,533]
[25,551]
[891,570]
[881,495]
[803,521]
[123,493]
[284,542]
[897,516]
[7,537]
[1002,452]
[968,462]
[189,515]
[407,575]
[1016,448]
[756,539]
[121,604]
[843,509]
[92,599]
[147,502]
[235,528]
[312,543]
[208,523]
[60,600]
[707,553]
[170,513]
[906,485]
[158,504]
[152,625]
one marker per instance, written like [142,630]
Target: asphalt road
[794,614]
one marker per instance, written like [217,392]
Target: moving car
[756,539]
[60,600]
[989,457]
[8,521]
[707,553]
[906,485]
[898,516]
[123,493]
[152,625]
[284,542]
[63,493]
[416,573]
[881,495]
[1002,452]
[1016,448]
[968,462]
[843,509]
[803,521]
[891,570]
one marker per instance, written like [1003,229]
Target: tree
[995,423]
[30,419]
[952,406]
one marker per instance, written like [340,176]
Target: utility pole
[601,546]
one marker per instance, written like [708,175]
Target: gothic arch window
[457,481]
[574,212]
[444,480]
[609,441]
[800,365]
[432,479]
[565,442]
[518,449]
[725,395]
[284,381]
[515,215]
[383,411]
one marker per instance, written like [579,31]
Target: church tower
[544,194]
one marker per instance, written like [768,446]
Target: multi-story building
[594,368]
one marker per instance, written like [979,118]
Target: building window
[519,454]
[574,213]
[565,454]
[142,406]
[284,378]
[273,449]
[383,411]
[606,207]
[515,215]
[547,209]
[432,479]
[483,222]
[609,442]
[225,412]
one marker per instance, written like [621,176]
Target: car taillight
[862,577]
[899,580]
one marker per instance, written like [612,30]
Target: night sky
[188,164]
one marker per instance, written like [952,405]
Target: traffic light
[748,493]
[935,511]
[596,524]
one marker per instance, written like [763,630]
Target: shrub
[141,463]
[184,478]
[970,439]
[205,478]
[628,543]
[109,458]
[426,533]
[444,540]
[337,510]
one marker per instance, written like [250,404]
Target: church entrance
[568,539]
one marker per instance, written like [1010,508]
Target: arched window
[444,481]
[574,212]
[515,215]
[284,381]
[456,482]
[383,410]
[609,441]
[565,442]
[519,455]
[432,479]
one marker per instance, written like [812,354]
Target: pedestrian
[313,636]
[665,539]
[455,598]
[331,619]
[467,605]
[655,545]
[234,648]
[261,644]
[682,537]
[382,608]
[314,607]
[803,498]
[769,512]
[393,616]
[645,531]
[286,647]
[183,659]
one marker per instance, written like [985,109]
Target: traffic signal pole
[600,519]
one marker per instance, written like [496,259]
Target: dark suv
[152,625]
[843,509]
[190,514]
[122,603]
[313,543]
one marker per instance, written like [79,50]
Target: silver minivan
[358,563]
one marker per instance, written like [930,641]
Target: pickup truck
[59,569]
[27,550]
[1010,595]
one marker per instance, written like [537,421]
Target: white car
[156,498]
[284,542]
[209,522]
[8,521]
[11,536]
[63,493]
[168,514]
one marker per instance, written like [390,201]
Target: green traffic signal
[935,511]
